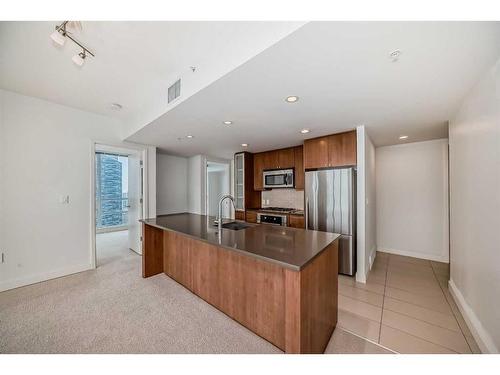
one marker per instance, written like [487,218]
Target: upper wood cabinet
[316,153]
[270,159]
[286,158]
[342,149]
[337,150]
[278,159]
[299,168]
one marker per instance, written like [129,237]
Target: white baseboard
[112,229]
[480,334]
[436,258]
[373,255]
[32,279]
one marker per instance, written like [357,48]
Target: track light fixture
[59,36]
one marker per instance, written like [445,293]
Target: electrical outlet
[3,258]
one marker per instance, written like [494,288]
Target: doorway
[118,202]
[218,184]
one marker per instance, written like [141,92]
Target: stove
[278,209]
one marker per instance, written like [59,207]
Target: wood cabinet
[251,216]
[276,159]
[342,149]
[296,221]
[239,215]
[316,153]
[336,150]
[271,160]
[294,310]
[258,168]
[286,158]
[246,196]
[299,168]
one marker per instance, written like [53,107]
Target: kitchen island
[279,282]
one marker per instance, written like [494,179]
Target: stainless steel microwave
[280,178]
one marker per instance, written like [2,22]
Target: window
[111,190]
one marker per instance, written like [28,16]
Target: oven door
[271,219]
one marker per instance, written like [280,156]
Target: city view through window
[111,190]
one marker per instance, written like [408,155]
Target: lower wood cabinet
[239,215]
[251,216]
[296,221]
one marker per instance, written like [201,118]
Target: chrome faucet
[219,218]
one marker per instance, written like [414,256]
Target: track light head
[59,37]
[79,59]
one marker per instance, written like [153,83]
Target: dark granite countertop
[294,212]
[289,247]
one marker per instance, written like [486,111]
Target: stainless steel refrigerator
[330,206]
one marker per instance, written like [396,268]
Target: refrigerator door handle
[307,213]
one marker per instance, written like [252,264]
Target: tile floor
[405,306]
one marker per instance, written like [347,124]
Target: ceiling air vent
[174,91]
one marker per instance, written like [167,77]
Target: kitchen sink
[235,225]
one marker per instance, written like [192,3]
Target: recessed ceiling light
[292,99]
[394,55]
[305,131]
[244,145]
[228,122]
[189,136]
[116,106]
[403,137]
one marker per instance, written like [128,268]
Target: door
[316,153]
[258,168]
[135,194]
[299,168]
[286,158]
[239,181]
[342,149]
[270,160]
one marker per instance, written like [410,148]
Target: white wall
[412,199]
[475,209]
[365,197]
[46,152]
[370,203]
[196,184]
[172,183]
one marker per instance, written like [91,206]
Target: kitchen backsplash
[287,198]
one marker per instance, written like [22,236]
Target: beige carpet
[114,310]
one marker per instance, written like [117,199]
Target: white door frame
[121,149]
[228,162]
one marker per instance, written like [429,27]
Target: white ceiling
[134,65]
[340,70]
[344,77]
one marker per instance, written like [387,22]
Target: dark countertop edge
[279,213]
[247,253]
